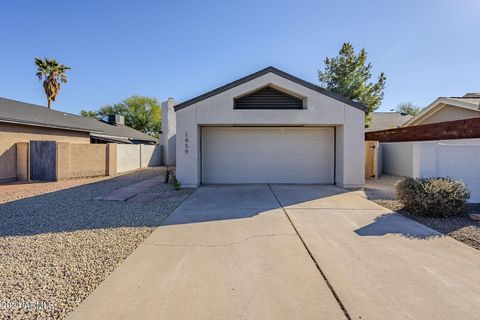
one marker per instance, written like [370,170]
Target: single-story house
[270,127]
[443,140]
[23,122]
[387,120]
[447,109]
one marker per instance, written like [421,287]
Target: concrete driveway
[290,252]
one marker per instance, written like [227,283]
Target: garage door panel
[261,155]
[274,148]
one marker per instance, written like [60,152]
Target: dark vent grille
[268,98]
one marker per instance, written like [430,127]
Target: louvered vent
[268,98]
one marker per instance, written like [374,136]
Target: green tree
[408,108]
[89,114]
[349,74]
[52,73]
[141,113]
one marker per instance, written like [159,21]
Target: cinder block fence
[65,160]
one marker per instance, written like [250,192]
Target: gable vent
[268,98]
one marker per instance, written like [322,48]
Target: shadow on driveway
[394,223]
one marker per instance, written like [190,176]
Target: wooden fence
[458,129]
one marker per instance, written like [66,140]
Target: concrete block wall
[131,157]
[457,159]
[150,156]
[80,160]
[128,157]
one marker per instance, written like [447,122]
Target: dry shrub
[433,197]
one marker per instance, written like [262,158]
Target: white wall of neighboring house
[457,159]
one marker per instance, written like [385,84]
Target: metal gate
[43,156]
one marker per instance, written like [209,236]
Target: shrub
[432,197]
[175,182]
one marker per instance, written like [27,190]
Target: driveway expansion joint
[327,282]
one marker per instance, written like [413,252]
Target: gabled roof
[12,111]
[469,101]
[387,120]
[279,73]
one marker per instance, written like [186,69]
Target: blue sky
[181,49]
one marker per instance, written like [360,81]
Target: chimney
[116,120]
[169,132]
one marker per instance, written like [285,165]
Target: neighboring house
[443,140]
[22,122]
[448,109]
[387,120]
[270,127]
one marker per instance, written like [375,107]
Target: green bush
[176,183]
[432,197]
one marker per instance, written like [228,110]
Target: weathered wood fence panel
[458,129]
[43,160]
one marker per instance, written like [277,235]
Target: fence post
[63,161]
[22,161]
[111,159]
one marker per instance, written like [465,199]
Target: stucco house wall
[10,134]
[450,113]
[321,110]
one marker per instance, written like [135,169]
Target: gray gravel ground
[16,191]
[56,248]
[460,227]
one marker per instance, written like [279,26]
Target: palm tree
[52,73]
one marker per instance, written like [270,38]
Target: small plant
[433,197]
[175,182]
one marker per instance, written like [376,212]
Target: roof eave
[29,123]
[431,108]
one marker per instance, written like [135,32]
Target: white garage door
[267,155]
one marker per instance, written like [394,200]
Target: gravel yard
[14,191]
[57,247]
[461,227]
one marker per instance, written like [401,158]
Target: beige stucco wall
[88,160]
[450,113]
[78,160]
[10,134]
[22,161]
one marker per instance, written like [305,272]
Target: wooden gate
[43,156]
[371,159]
